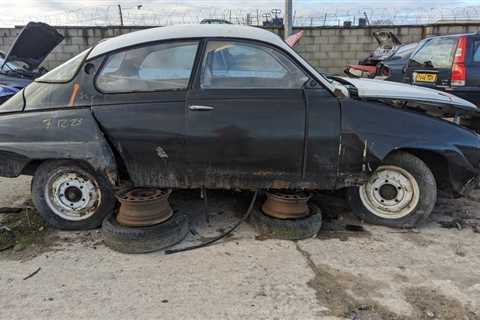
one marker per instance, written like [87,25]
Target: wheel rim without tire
[72,196]
[390,193]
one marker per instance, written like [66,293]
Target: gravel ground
[381,273]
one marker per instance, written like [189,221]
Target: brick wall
[328,49]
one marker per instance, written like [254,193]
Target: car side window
[406,50]
[241,65]
[166,66]
[476,54]
[436,53]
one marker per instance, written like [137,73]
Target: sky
[159,11]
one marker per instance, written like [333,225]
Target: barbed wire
[109,15]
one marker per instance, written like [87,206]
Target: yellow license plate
[426,77]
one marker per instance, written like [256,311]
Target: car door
[142,109]
[431,64]
[246,117]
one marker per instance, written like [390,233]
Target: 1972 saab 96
[220,106]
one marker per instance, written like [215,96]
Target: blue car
[449,63]
[21,65]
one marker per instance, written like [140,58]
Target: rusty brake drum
[144,207]
[286,204]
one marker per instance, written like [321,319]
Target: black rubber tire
[40,178]
[144,239]
[287,229]
[428,194]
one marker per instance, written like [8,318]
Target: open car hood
[33,44]
[430,100]
[388,44]
[386,39]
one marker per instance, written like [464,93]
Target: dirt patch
[417,238]
[461,213]
[430,304]
[344,293]
[342,232]
[350,296]
[24,233]
[338,221]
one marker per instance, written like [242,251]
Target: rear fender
[72,134]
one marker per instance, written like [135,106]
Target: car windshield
[7,66]
[14,67]
[66,71]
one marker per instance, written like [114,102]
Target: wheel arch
[30,138]
[25,161]
[435,161]
[31,167]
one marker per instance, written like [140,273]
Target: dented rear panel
[59,134]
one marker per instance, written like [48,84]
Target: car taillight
[458,67]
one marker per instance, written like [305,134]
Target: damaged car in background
[21,64]
[230,107]
[449,63]
[387,62]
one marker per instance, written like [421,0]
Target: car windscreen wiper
[415,62]
[9,71]
[429,64]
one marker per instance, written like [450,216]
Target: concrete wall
[329,49]
[76,40]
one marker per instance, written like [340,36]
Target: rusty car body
[279,125]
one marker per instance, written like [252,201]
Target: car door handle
[201,108]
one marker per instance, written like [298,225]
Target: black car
[450,63]
[223,106]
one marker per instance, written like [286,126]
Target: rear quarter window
[66,71]
[476,53]
[165,66]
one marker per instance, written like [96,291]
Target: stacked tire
[287,229]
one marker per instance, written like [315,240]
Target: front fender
[58,134]
[372,130]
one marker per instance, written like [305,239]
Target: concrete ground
[380,273]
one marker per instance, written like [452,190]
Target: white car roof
[200,31]
[185,32]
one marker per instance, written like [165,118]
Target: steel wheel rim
[72,195]
[378,197]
